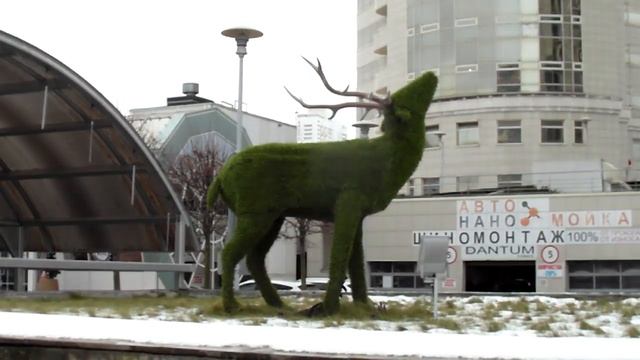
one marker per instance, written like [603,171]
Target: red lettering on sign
[510,205]
[463,208]
[479,206]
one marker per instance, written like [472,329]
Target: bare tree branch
[141,126]
[191,175]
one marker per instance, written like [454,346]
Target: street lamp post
[440,135]
[364,127]
[242,36]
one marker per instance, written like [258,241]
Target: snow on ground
[534,327]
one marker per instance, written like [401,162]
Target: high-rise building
[542,93]
[315,127]
[536,96]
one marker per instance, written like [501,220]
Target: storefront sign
[509,229]
[550,271]
[449,283]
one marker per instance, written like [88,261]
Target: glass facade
[604,275]
[481,49]
[394,274]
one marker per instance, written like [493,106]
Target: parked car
[320,283]
[279,285]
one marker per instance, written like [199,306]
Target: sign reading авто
[510,228]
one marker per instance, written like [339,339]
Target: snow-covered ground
[487,327]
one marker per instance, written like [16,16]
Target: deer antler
[334,108]
[346,92]
[377,103]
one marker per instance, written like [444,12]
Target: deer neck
[406,149]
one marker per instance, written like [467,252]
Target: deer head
[407,107]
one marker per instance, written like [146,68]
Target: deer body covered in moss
[341,182]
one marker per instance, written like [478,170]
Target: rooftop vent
[190,89]
[190,92]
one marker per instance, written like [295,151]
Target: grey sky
[138,53]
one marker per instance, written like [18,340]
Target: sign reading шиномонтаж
[510,229]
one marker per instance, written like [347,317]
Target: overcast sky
[138,53]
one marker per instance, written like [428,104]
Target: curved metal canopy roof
[74,175]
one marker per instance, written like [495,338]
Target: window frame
[468,125]
[509,183]
[395,270]
[411,187]
[429,131]
[580,126]
[507,128]
[594,270]
[430,186]
[466,68]
[465,22]
[428,28]
[551,127]
[471,182]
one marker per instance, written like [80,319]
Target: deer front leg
[356,269]
[347,216]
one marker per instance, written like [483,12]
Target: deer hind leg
[250,229]
[356,269]
[255,263]
[348,217]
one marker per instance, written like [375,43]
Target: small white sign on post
[432,261]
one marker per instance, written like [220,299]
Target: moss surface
[341,182]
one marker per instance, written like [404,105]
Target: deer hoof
[316,310]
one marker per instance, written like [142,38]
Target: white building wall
[316,127]
[432,32]
[389,235]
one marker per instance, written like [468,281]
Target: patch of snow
[220,334]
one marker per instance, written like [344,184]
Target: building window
[551,29]
[552,131]
[577,81]
[430,186]
[508,77]
[550,7]
[427,28]
[432,138]
[551,80]
[468,133]
[575,7]
[394,274]
[551,49]
[509,132]
[466,22]
[411,188]
[467,68]
[579,131]
[604,275]
[466,183]
[509,180]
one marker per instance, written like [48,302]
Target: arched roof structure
[74,175]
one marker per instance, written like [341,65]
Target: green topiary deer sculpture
[341,182]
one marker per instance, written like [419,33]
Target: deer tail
[213,192]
